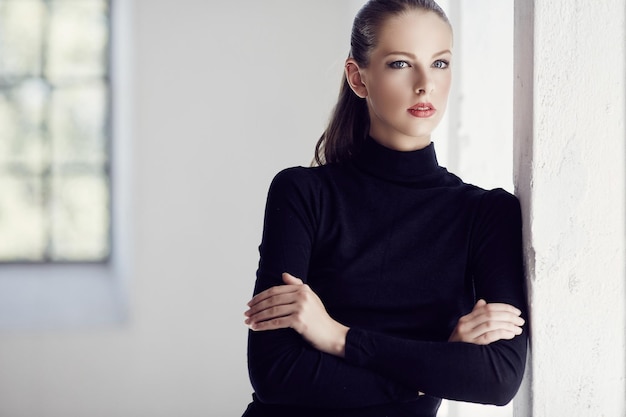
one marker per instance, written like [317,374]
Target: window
[60,264]
[55,185]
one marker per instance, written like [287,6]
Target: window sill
[46,296]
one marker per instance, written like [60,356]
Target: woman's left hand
[295,305]
[488,323]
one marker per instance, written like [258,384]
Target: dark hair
[349,122]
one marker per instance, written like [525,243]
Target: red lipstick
[422,110]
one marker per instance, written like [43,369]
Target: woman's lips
[422,110]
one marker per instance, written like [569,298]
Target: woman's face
[407,81]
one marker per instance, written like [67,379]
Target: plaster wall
[570,158]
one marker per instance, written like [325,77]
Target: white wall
[570,159]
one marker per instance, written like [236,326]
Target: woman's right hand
[488,323]
[295,305]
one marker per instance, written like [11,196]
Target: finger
[271,292]
[273,324]
[496,316]
[494,328]
[494,336]
[486,314]
[481,325]
[493,311]
[273,301]
[491,326]
[501,307]
[291,280]
[270,314]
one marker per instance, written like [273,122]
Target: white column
[569,173]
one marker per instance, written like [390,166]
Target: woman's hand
[488,323]
[295,305]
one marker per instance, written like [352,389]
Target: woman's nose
[423,82]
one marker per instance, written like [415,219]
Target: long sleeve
[284,369]
[398,249]
[461,371]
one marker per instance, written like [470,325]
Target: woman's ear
[353,75]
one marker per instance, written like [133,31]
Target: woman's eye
[399,64]
[441,64]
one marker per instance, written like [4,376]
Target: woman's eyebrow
[412,56]
[445,51]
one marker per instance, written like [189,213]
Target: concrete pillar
[570,108]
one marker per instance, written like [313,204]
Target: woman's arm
[480,371]
[294,305]
[284,368]
[464,371]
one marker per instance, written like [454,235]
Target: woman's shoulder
[299,180]
[305,176]
[297,175]
[498,203]
[488,202]
[497,196]
[501,198]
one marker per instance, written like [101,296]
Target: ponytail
[348,127]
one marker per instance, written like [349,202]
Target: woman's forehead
[414,30]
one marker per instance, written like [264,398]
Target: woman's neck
[402,144]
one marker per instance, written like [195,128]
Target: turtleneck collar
[388,164]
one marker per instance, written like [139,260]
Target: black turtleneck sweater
[398,249]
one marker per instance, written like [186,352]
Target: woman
[385,283]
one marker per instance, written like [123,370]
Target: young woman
[385,283]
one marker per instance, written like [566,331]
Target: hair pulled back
[349,121]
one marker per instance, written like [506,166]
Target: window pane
[22,220]
[22,108]
[78,40]
[22,23]
[77,124]
[80,217]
